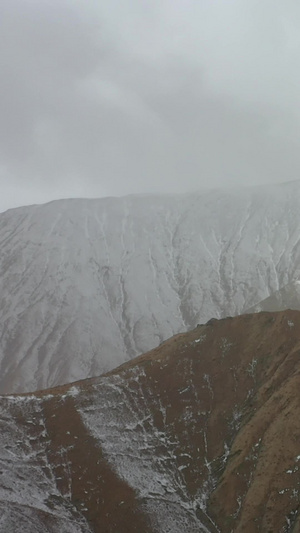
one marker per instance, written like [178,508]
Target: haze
[120,97]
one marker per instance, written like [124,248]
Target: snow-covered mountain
[88,284]
[199,435]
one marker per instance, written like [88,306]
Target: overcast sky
[102,98]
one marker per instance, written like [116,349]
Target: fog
[114,98]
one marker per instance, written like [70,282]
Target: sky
[146,96]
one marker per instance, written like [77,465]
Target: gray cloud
[143,96]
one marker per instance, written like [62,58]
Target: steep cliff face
[88,284]
[200,434]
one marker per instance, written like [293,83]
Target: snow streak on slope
[88,284]
[123,416]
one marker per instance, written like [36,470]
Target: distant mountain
[88,284]
[199,435]
[288,297]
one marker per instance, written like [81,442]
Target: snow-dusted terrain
[29,497]
[88,284]
[199,435]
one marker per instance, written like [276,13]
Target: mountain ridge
[200,434]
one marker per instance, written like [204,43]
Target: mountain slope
[87,284]
[200,434]
[288,297]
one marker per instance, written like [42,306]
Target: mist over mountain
[199,435]
[88,284]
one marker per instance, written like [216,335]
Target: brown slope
[200,434]
[106,501]
[245,377]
